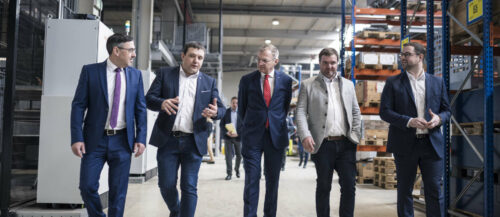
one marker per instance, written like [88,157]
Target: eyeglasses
[406,54]
[263,60]
[130,50]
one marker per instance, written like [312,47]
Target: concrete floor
[220,198]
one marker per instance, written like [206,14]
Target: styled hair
[233,98]
[419,48]
[328,52]
[116,40]
[272,48]
[193,44]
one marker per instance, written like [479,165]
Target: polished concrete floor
[220,198]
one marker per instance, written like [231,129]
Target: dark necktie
[116,99]
[267,95]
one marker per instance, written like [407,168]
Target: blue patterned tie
[116,99]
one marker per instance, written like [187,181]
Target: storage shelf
[369,110]
[377,148]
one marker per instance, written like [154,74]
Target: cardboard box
[365,169]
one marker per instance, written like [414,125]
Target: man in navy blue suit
[184,98]
[415,104]
[112,95]
[263,101]
[232,140]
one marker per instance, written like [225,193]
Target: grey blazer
[312,107]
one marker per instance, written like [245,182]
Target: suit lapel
[427,96]
[256,80]
[175,81]
[199,82]
[277,77]
[104,80]
[127,82]
[321,82]
[406,83]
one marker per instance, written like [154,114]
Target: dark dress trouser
[339,155]
[115,151]
[432,168]
[252,155]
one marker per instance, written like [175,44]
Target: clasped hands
[170,107]
[421,123]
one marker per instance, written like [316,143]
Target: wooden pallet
[378,142]
[379,160]
[389,185]
[388,178]
[474,128]
[380,35]
[364,180]
[388,170]
[376,66]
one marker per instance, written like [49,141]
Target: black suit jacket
[226,120]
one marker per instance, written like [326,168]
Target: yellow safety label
[405,40]
[474,10]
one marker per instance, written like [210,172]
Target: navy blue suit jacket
[254,112]
[397,106]
[227,120]
[92,96]
[166,86]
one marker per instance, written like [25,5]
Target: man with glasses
[185,99]
[263,101]
[415,104]
[109,103]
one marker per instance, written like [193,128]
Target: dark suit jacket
[398,106]
[227,120]
[254,112]
[92,96]
[166,86]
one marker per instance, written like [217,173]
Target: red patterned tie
[267,94]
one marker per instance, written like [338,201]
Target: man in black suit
[231,139]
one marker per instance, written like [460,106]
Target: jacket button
[323,127]
[326,102]
[325,114]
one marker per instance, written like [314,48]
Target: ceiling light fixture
[275,22]
[267,41]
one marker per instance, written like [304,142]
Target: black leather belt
[334,138]
[113,132]
[422,136]
[180,134]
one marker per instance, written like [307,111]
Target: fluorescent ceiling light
[275,22]
[267,41]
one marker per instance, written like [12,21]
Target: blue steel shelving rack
[488,86]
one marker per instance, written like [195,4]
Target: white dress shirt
[270,79]
[418,89]
[335,118]
[187,94]
[111,77]
[234,117]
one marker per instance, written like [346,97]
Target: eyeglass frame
[264,60]
[130,50]
[407,54]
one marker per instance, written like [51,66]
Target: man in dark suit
[415,104]
[112,95]
[263,101]
[184,98]
[231,139]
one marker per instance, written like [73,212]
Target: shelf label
[405,40]
[474,11]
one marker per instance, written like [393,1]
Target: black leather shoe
[238,174]
[228,177]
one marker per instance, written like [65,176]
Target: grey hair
[272,48]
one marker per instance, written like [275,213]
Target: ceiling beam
[284,50]
[280,33]
[268,10]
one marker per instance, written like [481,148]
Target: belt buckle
[110,132]
[176,134]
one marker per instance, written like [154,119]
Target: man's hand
[78,149]
[308,144]
[211,110]
[231,134]
[418,123]
[435,120]
[139,149]
[170,105]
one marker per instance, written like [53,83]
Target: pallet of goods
[365,172]
[385,172]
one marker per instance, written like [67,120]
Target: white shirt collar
[328,80]
[421,77]
[185,75]
[271,74]
[110,66]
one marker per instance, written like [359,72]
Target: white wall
[230,83]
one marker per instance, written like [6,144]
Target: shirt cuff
[408,124]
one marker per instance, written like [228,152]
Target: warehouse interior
[45,43]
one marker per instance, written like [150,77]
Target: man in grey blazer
[329,124]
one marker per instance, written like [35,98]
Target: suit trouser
[115,151]
[252,155]
[431,167]
[232,145]
[339,156]
[179,151]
